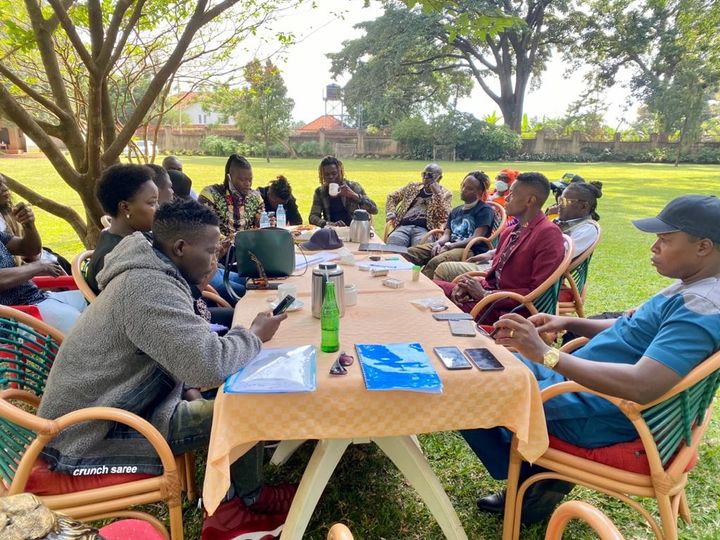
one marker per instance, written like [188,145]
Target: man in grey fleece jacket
[138,343]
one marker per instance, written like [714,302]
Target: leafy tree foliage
[262,109]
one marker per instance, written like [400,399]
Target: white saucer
[295,306]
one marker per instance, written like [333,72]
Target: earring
[127,216]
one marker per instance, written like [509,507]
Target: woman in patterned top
[235,203]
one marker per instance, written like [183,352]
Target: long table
[342,411]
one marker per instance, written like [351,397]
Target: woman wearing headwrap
[503,181]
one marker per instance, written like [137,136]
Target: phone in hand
[452,317]
[484,360]
[452,358]
[283,305]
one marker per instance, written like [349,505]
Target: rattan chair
[339,532]
[598,522]
[575,282]
[78,264]
[543,299]
[670,428]
[27,351]
[491,241]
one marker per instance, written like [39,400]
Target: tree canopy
[84,76]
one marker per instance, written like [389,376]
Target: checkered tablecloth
[342,408]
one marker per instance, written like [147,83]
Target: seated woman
[166,189]
[58,309]
[128,194]
[280,192]
[337,208]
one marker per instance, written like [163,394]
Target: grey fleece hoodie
[133,348]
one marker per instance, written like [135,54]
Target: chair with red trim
[27,351]
[60,283]
[574,287]
[670,430]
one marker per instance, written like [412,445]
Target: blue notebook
[398,366]
[276,371]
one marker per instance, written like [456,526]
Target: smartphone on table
[452,358]
[283,305]
[462,328]
[452,317]
[484,360]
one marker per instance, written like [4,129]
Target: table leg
[412,463]
[325,458]
[284,451]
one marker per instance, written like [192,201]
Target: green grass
[366,491]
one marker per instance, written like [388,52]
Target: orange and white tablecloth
[342,408]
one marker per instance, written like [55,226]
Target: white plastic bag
[276,371]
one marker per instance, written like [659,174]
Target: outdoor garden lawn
[366,491]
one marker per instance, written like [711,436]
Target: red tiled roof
[326,121]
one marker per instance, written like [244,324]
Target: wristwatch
[551,358]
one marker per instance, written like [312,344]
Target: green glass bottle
[329,320]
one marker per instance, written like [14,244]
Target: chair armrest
[50,428]
[599,522]
[491,298]
[472,242]
[573,345]
[218,300]
[571,387]
[61,282]
[429,235]
[339,532]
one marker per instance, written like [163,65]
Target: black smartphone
[452,317]
[452,358]
[484,360]
[283,305]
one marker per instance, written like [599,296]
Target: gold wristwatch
[551,358]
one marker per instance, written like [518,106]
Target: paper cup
[334,189]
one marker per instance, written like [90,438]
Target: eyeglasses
[429,174]
[564,201]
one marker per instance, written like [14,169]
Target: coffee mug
[285,289]
[334,189]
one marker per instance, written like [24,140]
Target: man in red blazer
[527,253]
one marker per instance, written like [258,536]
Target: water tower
[334,105]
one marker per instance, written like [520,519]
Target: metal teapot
[321,274]
[360,227]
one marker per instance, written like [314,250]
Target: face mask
[501,186]
[469,206]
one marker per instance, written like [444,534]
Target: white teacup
[334,189]
[286,289]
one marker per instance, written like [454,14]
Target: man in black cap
[637,357]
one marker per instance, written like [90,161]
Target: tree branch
[24,121]
[132,21]
[95,19]
[49,205]
[32,94]
[72,35]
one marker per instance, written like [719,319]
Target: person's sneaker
[234,521]
[274,499]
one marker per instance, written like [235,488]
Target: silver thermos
[360,227]
[320,276]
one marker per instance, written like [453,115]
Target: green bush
[308,149]
[657,155]
[212,145]
[483,141]
[415,137]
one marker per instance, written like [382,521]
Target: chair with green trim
[574,289]
[656,465]
[27,352]
[543,299]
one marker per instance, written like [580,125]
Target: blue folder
[398,366]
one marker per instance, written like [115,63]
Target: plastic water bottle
[329,321]
[280,215]
[264,220]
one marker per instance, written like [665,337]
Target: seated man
[137,345]
[58,309]
[418,207]
[527,253]
[336,207]
[577,218]
[637,357]
[278,192]
[465,222]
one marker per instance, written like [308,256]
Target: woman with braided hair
[332,207]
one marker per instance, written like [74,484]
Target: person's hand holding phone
[48,269]
[266,324]
[24,215]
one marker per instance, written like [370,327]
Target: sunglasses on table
[341,364]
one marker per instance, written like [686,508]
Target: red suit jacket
[536,254]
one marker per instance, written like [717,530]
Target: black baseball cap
[698,215]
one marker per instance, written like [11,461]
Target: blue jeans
[62,309]
[236,282]
[581,419]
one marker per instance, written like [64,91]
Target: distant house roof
[326,121]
